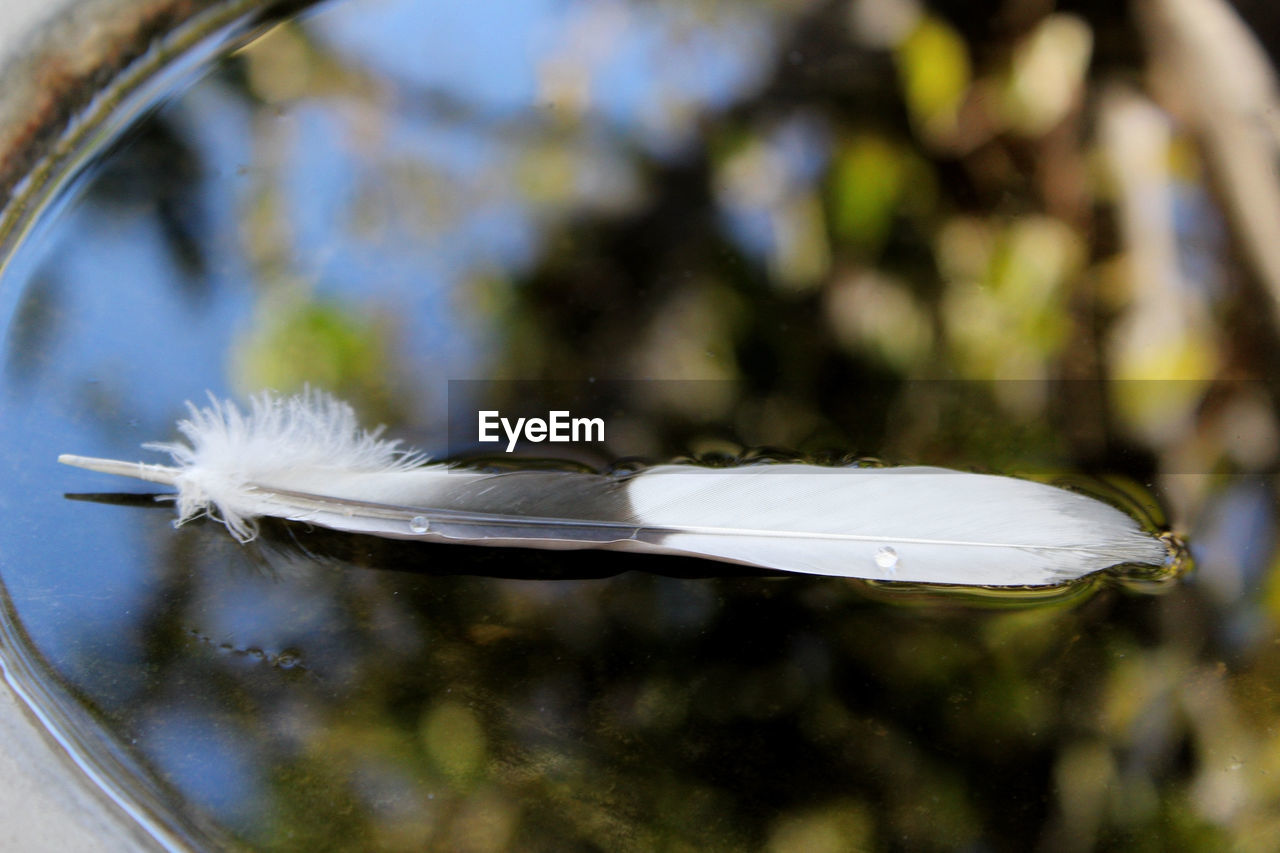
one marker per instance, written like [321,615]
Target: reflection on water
[820,203]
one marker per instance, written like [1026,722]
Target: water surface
[382,197]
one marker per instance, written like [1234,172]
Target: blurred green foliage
[302,342]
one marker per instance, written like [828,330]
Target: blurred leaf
[1047,74]
[879,315]
[326,344]
[933,63]
[836,828]
[454,740]
[802,257]
[867,184]
[1005,309]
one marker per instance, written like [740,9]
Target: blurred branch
[1212,72]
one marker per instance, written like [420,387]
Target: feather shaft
[162,474]
[441,515]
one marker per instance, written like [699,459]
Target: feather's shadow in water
[283,543]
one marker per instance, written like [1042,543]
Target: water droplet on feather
[887,558]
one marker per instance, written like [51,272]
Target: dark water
[384,197]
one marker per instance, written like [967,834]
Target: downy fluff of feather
[275,441]
[306,458]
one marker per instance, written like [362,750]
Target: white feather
[306,458]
